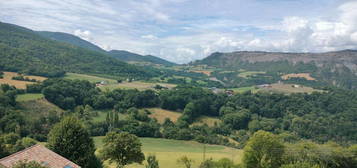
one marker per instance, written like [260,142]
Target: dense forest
[22,50]
[294,124]
[321,117]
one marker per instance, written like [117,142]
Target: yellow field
[298,75]
[135,85]
[206,72]
[18,84]
[168,151]
[161,114]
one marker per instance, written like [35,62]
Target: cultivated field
[28,97]
[168,151]
[18,84]
[298,75]
[90,78]
[135,85]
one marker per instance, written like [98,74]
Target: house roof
[39,154]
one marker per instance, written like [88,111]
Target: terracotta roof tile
[39,154]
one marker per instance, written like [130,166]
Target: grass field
[28,97]
[34,109]
[168,151]
[244,89]
[90,78]
[249,73]
[162,114]
[102,115]
[135,85]
[18,84]
[289,88]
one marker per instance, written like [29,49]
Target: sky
[185,30]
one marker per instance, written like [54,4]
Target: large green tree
[122,148]
[263,150]
[70,139]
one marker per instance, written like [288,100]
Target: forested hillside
[71,39]
[22,50]
[333,68]
[119,54]
[132,57]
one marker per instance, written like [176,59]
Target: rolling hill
[71,39]
[335,68]
[132,57]
[118,54]
[23,50]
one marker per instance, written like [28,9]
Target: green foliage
[222,163]
[122,148]
[152,162]
[25,164]
[71,140]
[67,94]
[22,50]
[263,150]
[11,143]
[325,155]
[185,161]
[299,165]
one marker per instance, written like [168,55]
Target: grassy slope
[28,97]
[168,151]
[37,108]
[90,78]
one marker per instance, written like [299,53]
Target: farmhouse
[41,155]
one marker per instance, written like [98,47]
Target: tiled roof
[39,154]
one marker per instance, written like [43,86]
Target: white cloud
[182,30]
[149,36]
[85,34]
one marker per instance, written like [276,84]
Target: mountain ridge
[23,50]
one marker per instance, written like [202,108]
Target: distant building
[39,154]
[229,92]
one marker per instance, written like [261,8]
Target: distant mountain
[132,57]
[338,68]
[23,50]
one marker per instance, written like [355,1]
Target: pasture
[29,96]
[90,78]
[244,89]
[168,151]
[7,79]
[34,109]
[289,88]
[162,114]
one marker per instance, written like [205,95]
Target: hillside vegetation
[22,50]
